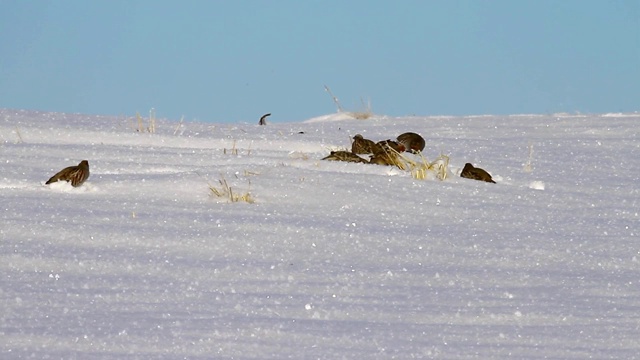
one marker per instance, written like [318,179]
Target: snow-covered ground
[332,260]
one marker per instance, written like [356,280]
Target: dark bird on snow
[385,158]
[475,173]
[360,145]
[263,119]
[74,174]
[385,146]
[411,141]
[344,156]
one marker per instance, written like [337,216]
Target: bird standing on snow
[74,174]
[387,152]
[387,145]
[360,145]
[475,173]
[383,158]
[411,141]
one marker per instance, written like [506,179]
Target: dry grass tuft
[528,166]
[152,121]
[250,173]
[421,169]
[20,140]
[151,128]
[363,114]
[359,115]
[440,167]
[232,151]
[395,158]
[223,190]
[179,126]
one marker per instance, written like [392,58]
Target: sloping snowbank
[332,260]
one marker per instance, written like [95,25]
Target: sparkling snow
[332,260]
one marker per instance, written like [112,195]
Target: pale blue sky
[232,61]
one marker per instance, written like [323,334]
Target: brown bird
[360,145]
[385,146]
[74,174]
[385,158]
[412,141]
[475,173]
[344,156]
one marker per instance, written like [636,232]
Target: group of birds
[383,152]
[386,152]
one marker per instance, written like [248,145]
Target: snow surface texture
[333,260]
